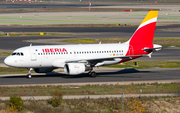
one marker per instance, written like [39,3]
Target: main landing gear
[29,73]
[92,74]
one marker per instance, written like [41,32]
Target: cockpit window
[17,54]
[13,54]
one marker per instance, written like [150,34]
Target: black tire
[93,74]
[29,76]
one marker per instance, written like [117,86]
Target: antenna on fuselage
[99,42]
[30,44]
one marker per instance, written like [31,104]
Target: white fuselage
[56,55]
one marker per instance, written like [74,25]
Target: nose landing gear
[29,73]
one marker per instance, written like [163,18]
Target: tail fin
[145,32]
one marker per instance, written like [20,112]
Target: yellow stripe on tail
[150,15]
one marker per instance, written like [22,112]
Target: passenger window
[70,52]
[38,53]
[18,54]
[74,52]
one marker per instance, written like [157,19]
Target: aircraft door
[75,53]
[33,54]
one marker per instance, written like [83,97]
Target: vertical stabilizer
[145,32]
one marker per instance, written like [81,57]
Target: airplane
[76,59]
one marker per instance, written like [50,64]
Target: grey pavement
[94,96]
[103,75]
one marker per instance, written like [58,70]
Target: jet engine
[74,68]
[43,70]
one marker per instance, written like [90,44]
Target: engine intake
[74,68]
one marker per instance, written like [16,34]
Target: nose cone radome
[8,61]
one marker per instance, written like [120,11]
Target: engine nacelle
[43,70]
[74,68]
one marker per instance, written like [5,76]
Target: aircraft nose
[8,61]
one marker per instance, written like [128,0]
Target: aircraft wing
[96,60]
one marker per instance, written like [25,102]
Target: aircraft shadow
[119,73]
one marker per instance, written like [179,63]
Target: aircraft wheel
[92,74]
[29,76]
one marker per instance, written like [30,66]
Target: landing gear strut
[29,73]
[92,73]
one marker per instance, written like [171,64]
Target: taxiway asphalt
[122,31]
[103,75]
[65,5]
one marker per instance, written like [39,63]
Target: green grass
[91,41]
[147,64]
[84,41]
[9,70]
[4,54]
[93,89]
[165,42]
